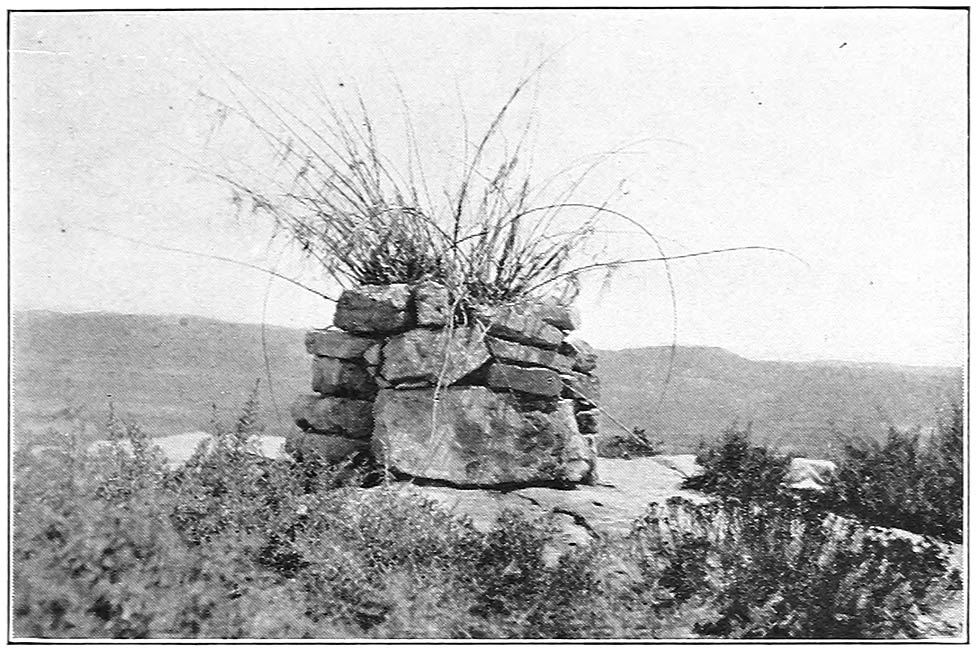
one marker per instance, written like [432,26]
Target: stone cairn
[501,397]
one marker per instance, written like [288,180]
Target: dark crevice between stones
[505,487]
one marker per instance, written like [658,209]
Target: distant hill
[798,406]
[169,371]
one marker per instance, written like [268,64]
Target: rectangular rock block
[374,309]
[475,437]
[332,415]
[524,354]
[335,377]
[529,380]
[521,322]
[328,448]
[428,355]
[582,388]
[337,344]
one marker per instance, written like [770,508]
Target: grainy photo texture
[488,324]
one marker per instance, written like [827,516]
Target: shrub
[905,482]
[735,469]
[777,571]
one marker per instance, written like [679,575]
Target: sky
[838,136]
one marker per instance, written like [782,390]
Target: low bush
[780,571]
[736,469]
[905,481]
[111,544]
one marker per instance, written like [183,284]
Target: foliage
[777,570]
[736,469]
[637,444]
[113,544]
[905,482]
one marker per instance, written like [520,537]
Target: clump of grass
[337,195]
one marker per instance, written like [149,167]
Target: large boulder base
[332,415]
[374,309]
[478,438]
[328,448]
[431,356]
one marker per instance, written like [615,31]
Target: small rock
[538,381]
[372,354]
[521,322]
[587,422]
[374,309]
[430,356]
[337,344]
[583,355]
[432,306]
[329,448]
[582,388]
[331,415]
[566,318]
[528,355]
[335,377]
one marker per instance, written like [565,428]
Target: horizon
[839,136]
[679,345]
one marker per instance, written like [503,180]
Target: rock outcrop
[493,395]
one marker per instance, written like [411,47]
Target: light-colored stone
[528,355]
[328,448]
[564,317]
[810,475]
[176,450]
[476,437]
[331,415]
[529,380]
[335,377]
[374,309]
[430,356]
[432,306]
[626,489]
[583,388]
[372,354]
[520,322]
[583,355]
[337,344]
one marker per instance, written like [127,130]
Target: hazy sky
[839,135]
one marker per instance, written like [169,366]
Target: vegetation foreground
[114,545]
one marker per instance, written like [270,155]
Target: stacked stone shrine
[502,395]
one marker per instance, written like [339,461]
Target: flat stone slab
[328,448]
[521,322]
[335,377]
[528,380]
[332,415]
[625,490]
[476,437]
[433,355]
[337,344]
[374,309]
[524,354]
